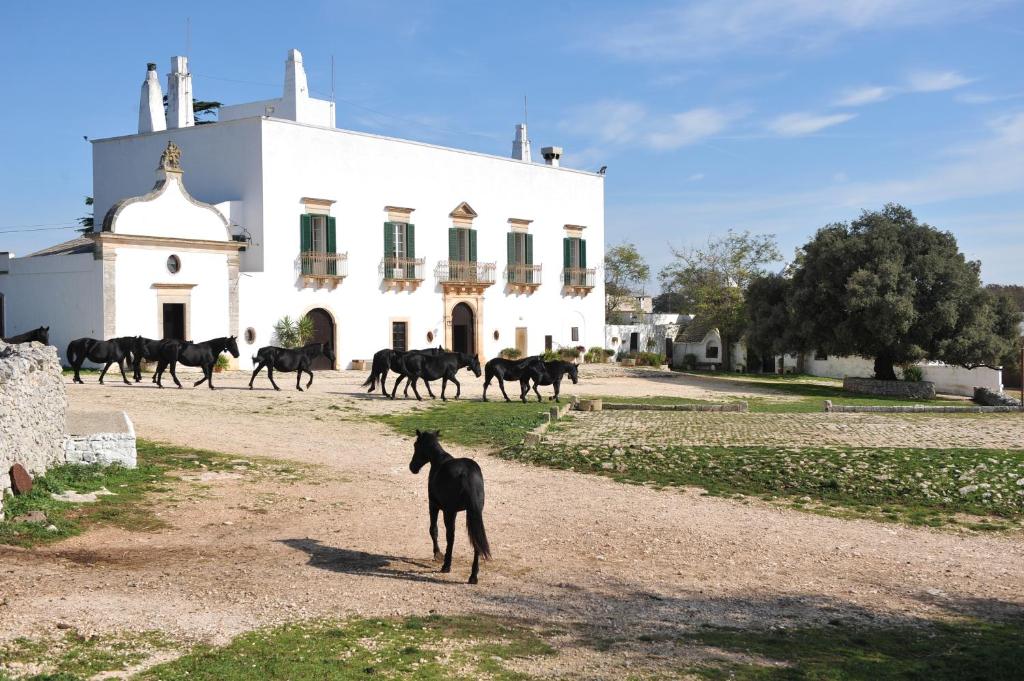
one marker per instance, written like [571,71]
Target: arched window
[711,350]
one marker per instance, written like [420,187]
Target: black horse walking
[454,485]
[390,360]
[546,373]
[298,360]
[40,334]
[115,350]
[147,349]
[203,355]
[417,365]
[505,370]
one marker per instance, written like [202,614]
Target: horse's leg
[201,380]
[557,385]
[137,369]
[158,373]
[429,391]
[501,384]
[298,378]
[270,375]
[487,382]
[458,386]
[77,367]
[395,388]
[309,371]
[449,535]
[208,370]
[535,384]
[434,510]
[255,371]
[473,579]
[524,388]
[120,365]
[104,372]
[174,375]
[415,391]
[383,380]
[444,385]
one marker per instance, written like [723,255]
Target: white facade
[264,172]
[948,379]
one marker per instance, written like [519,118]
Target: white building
[383,242]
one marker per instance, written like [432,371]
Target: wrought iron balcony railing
[324,265]
[402,269]
[579,277]
[465,272]
[521,274]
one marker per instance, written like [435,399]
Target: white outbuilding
[272,211]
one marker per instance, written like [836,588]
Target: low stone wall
[912,390]
[914,409]
[33,410]
[989,398]
[716,406]
[104,448]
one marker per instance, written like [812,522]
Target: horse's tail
[72,352]
[475,519]
[376,369]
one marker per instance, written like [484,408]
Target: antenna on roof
[526,116]
[332,77]
[188,36]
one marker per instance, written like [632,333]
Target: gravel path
[583,552]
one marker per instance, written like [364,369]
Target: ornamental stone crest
[171,158]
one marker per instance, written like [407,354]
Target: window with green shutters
[317,234]
[520,252]
[399,244]
[574,256]
[462,244]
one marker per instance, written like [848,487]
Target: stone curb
[535,436]
[718,406]
[916,409]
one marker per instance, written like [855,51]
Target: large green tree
[712,281]
[625,273]
[769,316]
[891,288]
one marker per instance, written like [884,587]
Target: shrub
[549,356]
[609,352]
[912,372]
[222,362]
[651,359]
[595,355]
[293,333]
[569,354]
[689,361]
[511,353]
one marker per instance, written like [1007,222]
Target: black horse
[41,334]
[203,355]
[417,365]
[454,485]
[147,349]
[298,360]
[546,373]
[107,352]
[505,370]
[389,360]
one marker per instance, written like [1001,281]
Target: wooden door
[521,340]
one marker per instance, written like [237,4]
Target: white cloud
[615,122]
[797,124]
[936,81]
[713,27]
[869,94]
[696,177]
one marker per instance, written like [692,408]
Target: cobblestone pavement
[792,430]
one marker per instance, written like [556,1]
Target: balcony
[402,273]
[523,278]
[579,281]
[457,276]
[323,269]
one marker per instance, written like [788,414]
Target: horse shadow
[353,562]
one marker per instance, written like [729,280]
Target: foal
[454,485]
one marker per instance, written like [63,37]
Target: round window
[430,336]
[496,335]
[173,264]
[250,335]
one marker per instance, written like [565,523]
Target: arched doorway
[323,332]
[462,329]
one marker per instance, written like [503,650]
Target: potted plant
[222,363]
[510,353]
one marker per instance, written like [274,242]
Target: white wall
[951,380]
[616,336]
[63,292]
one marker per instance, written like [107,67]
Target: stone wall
[33,410]
[994,399]
[105,448]
[914,390]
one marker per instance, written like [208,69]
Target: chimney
[179,95]
[551,155]
[521,145]
[296,90]
[151,104]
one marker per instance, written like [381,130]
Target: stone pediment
[463,211]
[168,210]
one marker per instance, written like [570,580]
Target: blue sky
[777,117]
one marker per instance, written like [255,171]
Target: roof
[695,331]
[82,244]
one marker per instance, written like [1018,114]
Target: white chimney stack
[551,155]
[151,104]
[179,95]
[521,145]
[296,90]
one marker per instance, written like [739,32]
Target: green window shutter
[305,240]
[332,245]
[583,253]
[511,240]
[566,257]
[453,243]
[410,241]
[472,245]
[389,249]
[529,249]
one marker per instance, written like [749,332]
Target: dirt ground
[582,552]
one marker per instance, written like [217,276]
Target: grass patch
[427,648]
[127,506]
[75,656]
[955,651]
[495,424]
[918,486]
